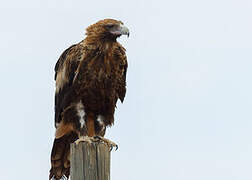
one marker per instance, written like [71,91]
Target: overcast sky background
[187,112]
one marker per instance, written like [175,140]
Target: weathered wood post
[90,161]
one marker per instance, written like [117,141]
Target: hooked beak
[124,30]
[120,30]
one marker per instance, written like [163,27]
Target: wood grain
[90,161]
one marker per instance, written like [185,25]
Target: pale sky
[187,114]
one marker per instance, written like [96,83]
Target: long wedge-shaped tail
[60,160]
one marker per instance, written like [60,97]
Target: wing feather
[65,70]
[121,91]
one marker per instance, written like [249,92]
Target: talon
[110,144]
[111,148]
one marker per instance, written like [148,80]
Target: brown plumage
[90,78]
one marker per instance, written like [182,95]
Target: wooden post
[90,161]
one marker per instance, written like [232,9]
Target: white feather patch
[81,113]
[101,122]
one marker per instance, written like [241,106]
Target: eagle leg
[85,139]
[111,144]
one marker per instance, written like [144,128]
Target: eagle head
[107,29]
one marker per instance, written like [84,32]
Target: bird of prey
[90,77]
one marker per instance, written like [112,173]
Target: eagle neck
[102,46]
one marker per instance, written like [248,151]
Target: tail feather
[60,157]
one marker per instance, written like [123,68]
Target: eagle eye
[110,25]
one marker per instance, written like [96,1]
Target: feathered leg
[88,132]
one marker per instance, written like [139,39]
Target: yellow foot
[111,144]
[84,139]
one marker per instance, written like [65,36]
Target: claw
[108,142]
[112,146]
